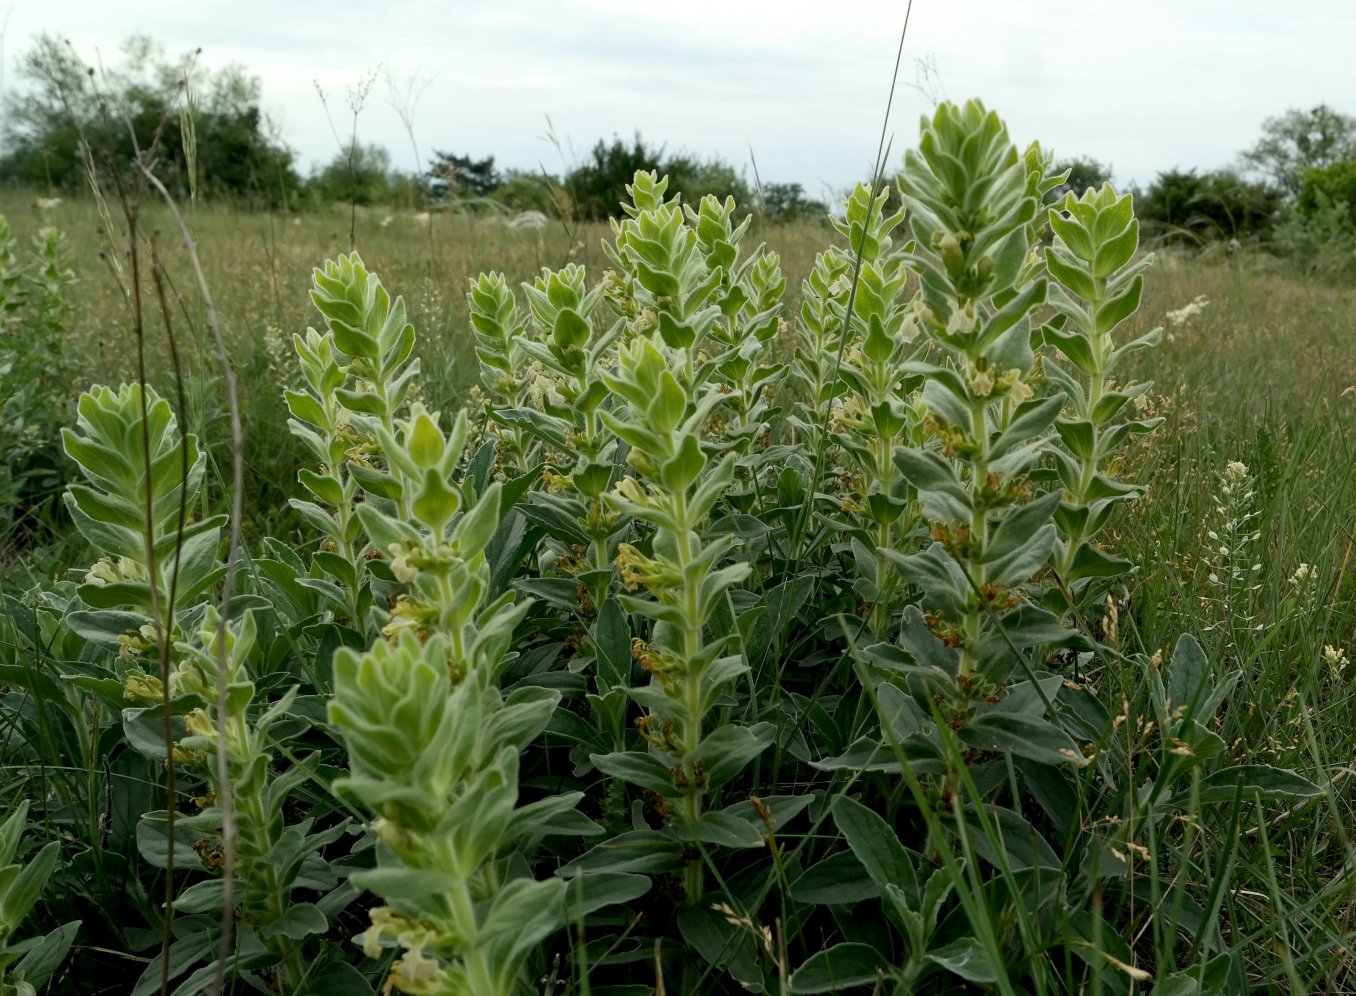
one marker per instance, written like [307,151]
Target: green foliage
[1098,283]
[1300,140]
[716,646]
[35,310]
[1319,238]
[788,202]
[459,177]
[1184,207]
[26,965]
[358,174]
[1084,173]
[142,478]
[59,107]
[598,187]
[1328,185]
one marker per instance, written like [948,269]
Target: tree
[1184,206]
[1300,140]
[599,186]
[461,177]
[357,175]
[787,202]
[694,178]
[1084,172]
[61,103]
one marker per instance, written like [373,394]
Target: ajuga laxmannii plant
[35,311]
[677,662]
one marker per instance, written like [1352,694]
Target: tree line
[1295,187]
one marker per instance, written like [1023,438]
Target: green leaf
[1075,348]
[1091,562]
[570,331]
[1018,528]
[436,502]
[1120,307]
[645,851]
[967,958]
[1030,420]
[876,846]
[46,955]
[837,880]
[612,647]
[377,483]
[153,842]
[680,471]
[521,914]
[1023,735]
[594,891]
[1078,437]
[725,751]
[1189,675]
[337,979]
[928,470]
[1070,272]
[1250,781]
[26,887]
[728,949]
[840,967]
[299,921]
[104,626]
[725,830]
[476,528]
[1022,844]
[398,882]
[1022,563]
[668,405]
[644,770]
[202,897]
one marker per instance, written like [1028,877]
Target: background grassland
[1265,375]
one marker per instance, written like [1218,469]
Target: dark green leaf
[838,968]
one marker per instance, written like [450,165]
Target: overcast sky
[1144,85]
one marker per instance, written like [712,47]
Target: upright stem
[979,528]
[256,814]
[692,689]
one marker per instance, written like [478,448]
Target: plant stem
[692,689]
[979,529]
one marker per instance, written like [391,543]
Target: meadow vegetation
[953,598]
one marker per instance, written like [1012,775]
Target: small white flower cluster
[1304,585]
[1232,567]
[1188,311]
[1336,659]
[278,350]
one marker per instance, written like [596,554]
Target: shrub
[1327,186]
[1184,207]
[1319,238]
[673,661]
